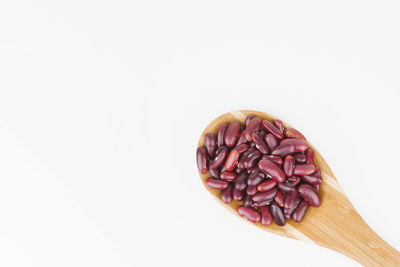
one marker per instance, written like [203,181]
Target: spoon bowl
[335,224]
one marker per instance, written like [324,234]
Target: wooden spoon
[335,225]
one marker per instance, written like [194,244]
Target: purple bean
[221,134]
[210,143]
[228,176]
[300,157]
[283,150]
[265,196]
[232,133]
[215,173]
[266,217]
[247,202]
[295,180]
[216,184]
[279,125]
[248,119]
[241,181]
[237,194]
[251,190]
[270,168]
[300,211]
[201,156]
[293,133]
[252,159]
[310,194]
[241,140]
[219,159]
[311,179]
[271,141]
[290,199]
[288,212]
[288,165]
[249,213]
[304,169]
[310,156]
[277,214]
[300,145]
[252,127]
[255,177]
[279,198]
[267,185]
[231,160]
[272,129]
[226,194]
[242,148]
[286,187]
[260,144]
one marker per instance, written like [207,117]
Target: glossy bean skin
[309,156]
[217,184]
[271,141]
[210,143]
[260,144]
[270,127]
[266,217]
[232,133]
[262,133]
[201,157]
[300,145]
[279,125]
[279,198]
[255,177]
[283,150]
[295,180]
[265,196]
[311,179]
[276,159]
[252,159]
[286,187]
[290,199]
[248,119]
[277,214]
[252,127]
[304,169]
[293,133]
[226,194]
[219,159]
[300,211]
[249,213]
[241,181]
[310,194]
[288,212]
[241,139]
[242,148]
[221,133]
[215,173]
[270,168]
[237,194]
[231,160]
[247,202]
[300,157]
[251,190]
[266,185]
[288,165]
[228,176]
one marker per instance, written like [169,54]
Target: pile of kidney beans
[269,169]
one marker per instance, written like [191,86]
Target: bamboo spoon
[335,225]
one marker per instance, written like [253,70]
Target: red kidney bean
[300,211]
[247,202]
[222,169]
[290,199]
[237,194]
[311,179]
[228,176]
[265,196]
[262,133]
[277,214]
[201,156]
[226,194]
[271,141]
[232,133]
[288,165]
[279,198]
[252,127]
[242,148]
[310,194]
[283,150]
[214,173]
[252,159]
[300,157]
[248,119]
[255,177]
[310,156]
[260,144]
[276,159]
[219,158]
[231,160]
[286,187]
[216,184]
[272,129]
[261,204]
[279,125]
[210,142]
[293,133]
[221,134]
[265,186]
[295,180]
[251,169]
[270,168]
[304,169]
[251,190]
[241,140]
[266,217]
[288,212]
[300,145]
[249,213]
[241,181]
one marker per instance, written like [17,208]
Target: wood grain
[335,225]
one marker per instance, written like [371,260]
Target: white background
[102,104]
